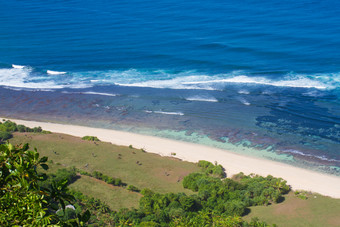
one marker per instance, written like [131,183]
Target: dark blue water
[253,74]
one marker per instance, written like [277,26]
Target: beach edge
[297,178]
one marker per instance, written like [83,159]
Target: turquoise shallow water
[261,77]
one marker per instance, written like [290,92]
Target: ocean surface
[260,78]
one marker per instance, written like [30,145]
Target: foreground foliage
[22,200]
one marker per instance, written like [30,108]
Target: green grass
[316,211]
[114,197]
[133,166]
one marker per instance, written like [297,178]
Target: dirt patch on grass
[291,207]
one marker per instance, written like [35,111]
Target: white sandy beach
[234,163]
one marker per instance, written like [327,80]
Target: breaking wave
[320,157]
[166,113]
[201,99]
[27,77]
[55,72]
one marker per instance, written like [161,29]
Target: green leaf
[86,216]
[25,147]
[44,166]
[42,176]
[43,159]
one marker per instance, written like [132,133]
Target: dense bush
[90,138]
[5,136]
[209,168]
[132,188]
[250,190]
[8,127]
[172,209]
[69,174]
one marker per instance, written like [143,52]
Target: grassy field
[315,211]
[133,166]
[115,197]
[160,174]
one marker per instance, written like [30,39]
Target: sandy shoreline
[234,163]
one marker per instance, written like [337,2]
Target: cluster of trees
[69,174]
[233,197]
[90,138]
[8,127]
[101,176]
[176,210]
[218,202]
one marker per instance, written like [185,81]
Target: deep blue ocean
[258,77]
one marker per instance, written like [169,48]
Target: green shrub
[9,126]
[209,168]
[118,182]
[90,138]
[5,136]
[37,129]
[22,128]
[133,188]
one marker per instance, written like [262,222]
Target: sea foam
[55,72]
[18,66]
[191,80]
[166,113]
[201,98]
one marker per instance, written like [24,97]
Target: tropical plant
[22,201]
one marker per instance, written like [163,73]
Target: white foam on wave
[243,92]
[18,66]
[20,78]
[218,82]
[98,93]
[166,113]
[201,99]
[163,79]
[245,102]
[175,83]
[321,157]
[89,93]
[313,93]
[299,82]
[55,72]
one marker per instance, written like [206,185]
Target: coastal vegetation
[98,175]
[172,192]
[90,138]
[8,127]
